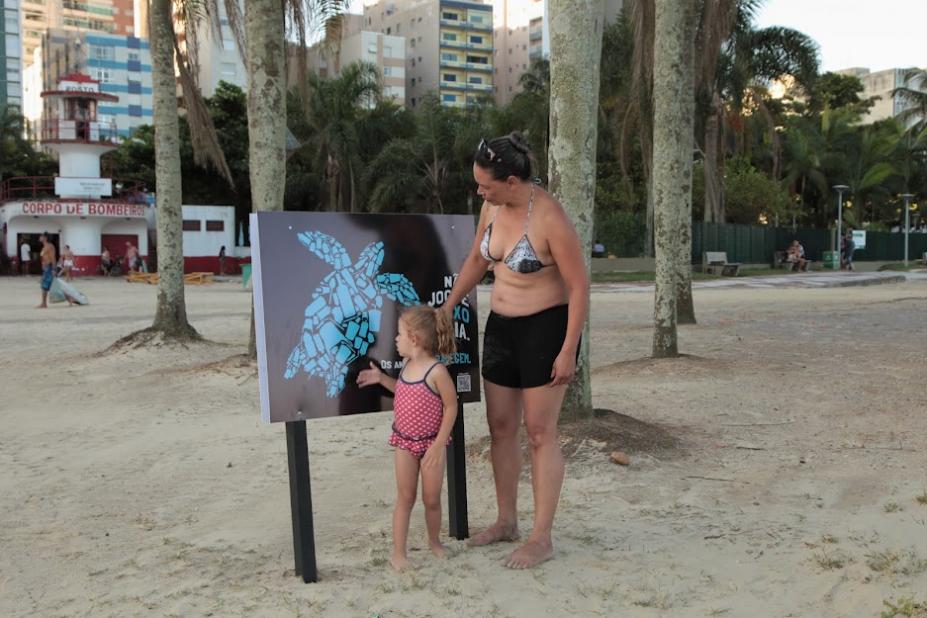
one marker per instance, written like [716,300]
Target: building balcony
[536,35]
[21,188]
[446,85]
[79,131]
[480,27]
[480,46]
[480,87]
[453,64]
[479,66]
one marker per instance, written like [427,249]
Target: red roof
[79,77]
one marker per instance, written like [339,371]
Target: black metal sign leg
[297,451]
[457,480]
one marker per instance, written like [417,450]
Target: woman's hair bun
[519,142]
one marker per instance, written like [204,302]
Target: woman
[539,303]
[222,260]
[106,262]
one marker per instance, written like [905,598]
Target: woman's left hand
[564,368]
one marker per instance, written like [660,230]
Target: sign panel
[328,292]
[83,187]
[80,209]
[859,239]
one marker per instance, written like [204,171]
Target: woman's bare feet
[399,563]
[496,533]
[439,550]
[530,555]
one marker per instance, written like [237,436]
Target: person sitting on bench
[795,255]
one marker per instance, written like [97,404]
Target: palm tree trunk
[171,313]
[673,98]
[264,25]
[712,178]
[576,42]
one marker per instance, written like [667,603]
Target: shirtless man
[48,269]
[131,256]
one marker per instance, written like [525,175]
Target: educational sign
[859,239]
[328,292]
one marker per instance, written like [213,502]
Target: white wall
[204,243]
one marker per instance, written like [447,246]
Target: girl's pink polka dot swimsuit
[418,411]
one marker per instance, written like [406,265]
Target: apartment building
[386,52]
[449,45]
[521,37]
[881,84]
[89,16]
[122,65]
[11,66]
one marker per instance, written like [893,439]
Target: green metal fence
[756,244]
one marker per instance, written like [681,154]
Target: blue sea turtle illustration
[343,315]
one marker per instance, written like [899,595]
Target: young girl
[425,408]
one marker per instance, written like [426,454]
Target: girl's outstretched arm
[369,377]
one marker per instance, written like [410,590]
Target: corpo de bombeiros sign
[83,209]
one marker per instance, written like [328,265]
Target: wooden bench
[715,262]
[140,277]
[198,278]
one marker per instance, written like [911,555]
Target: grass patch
[922,499]
[905,607]
[648,277]
[830,562]
[906,563]
[899,266]
[892,507]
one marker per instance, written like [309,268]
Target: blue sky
[878,34]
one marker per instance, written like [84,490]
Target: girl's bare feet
[399,563]
[439,550]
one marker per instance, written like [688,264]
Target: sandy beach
[778,470]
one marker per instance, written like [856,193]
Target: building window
[228,69]
[215,225]
[412,44]
[476,19]
[477,60]
[476,39]
[413,82]
[450,77]
[102,52]
[448,36]
[413,101]
[389,30]
[135,87]
[413,62]
[475,79]
[387,51]
[135,111]
[133,56]
[449,98]
[387,71]
[372,48]
[191,225]
[447,57]
[447,15]
[104,76]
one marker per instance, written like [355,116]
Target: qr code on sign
[463,383]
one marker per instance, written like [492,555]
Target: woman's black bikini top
[522,258]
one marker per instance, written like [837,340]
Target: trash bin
[245,275]
[832,260]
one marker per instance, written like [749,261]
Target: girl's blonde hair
[433,328]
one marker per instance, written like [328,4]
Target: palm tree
[914,93]
[171,312]
[673,139]
[574,100]
[749,60]
[334,110]
[417,170]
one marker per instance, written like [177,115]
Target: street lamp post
[907,227]
[839,189]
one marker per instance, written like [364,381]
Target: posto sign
[84,209]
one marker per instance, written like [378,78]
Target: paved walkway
[795,280]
